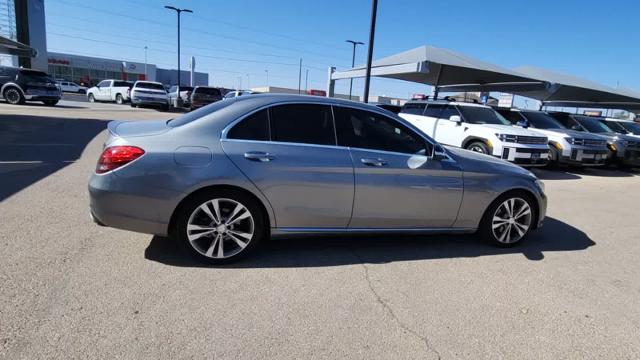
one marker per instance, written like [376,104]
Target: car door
[398,183]
[289,152]
[447,131]
[102,90]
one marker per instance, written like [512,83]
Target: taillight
[114,157]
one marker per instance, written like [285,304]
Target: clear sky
[236,41]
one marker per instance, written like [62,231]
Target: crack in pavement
[388,308]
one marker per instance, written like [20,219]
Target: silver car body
[306,188]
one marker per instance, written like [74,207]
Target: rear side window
[433,110]
[449,111]
[122,84]
[253,127]
[367,130]
[304,123]
[414,109]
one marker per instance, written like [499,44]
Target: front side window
[253,127]
[540,120]
[482,115]
[632,127]
[615,126]
[103,83]
[303,123]
[366,130]
[433,110]
[593,125]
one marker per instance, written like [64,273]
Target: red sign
[316,92]
[58,62]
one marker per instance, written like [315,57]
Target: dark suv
[18,85]
[204,95]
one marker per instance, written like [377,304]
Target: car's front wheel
[91,98]
[220,227]
[508,219]
[478,146]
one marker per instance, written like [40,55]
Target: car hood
[476,162]
[512,130]
[138,128]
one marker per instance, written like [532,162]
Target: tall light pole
[145,63]
[353,62]
[372,33]
[178,11]
[306,81]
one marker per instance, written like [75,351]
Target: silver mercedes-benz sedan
[224,178]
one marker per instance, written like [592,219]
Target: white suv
[149,93]
[477,128]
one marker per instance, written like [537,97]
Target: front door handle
[258,156]
[374,162]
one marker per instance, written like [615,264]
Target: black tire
[119,99]
[486,230]
[192,206]
[13,96]
[479,147]
[133,105]
[554,157]
[50,102]
[91,98]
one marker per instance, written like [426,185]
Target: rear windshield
[593,125]
[150,86]
[208,91]
[540,120]
[197,114]
[482,115]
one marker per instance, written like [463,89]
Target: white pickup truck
[110,90]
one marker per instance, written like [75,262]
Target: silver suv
[227,176]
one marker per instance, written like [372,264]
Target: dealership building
[90,70]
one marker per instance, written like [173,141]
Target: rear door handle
[373,162]
[258,156]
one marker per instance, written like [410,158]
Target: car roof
[147,82]
[446,102]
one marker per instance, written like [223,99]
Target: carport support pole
[331,84]
[372,32]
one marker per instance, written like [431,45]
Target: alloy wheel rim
[12,96]
[477,149]
[511,220]
[220,228]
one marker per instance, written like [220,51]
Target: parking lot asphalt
[71,289]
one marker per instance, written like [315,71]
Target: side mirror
[456,119]
[523,123]
[438,152]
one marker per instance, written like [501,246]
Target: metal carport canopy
[438,67]
[563,90]
[11,47]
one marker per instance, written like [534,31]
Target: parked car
[110,90]
[70,86]
[624,149]
[204,95]
[393,108]
[477,128]
[18,85]
[223,178]
[179,96]
[567,146]
[149,93]
[626,127]
[236,93]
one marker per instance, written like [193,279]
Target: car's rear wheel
[13,96]
[119,99]
[91,98]
[508,220]
[479,147]
[219,227]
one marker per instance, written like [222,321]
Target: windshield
[197,114]
[615,126]
[540,120]
[593,125]
[632,127]
[208,91]
[482,115]
[153,86]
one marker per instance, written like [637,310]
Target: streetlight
[178,11]
[145,62]
[353,62]
[372,33]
